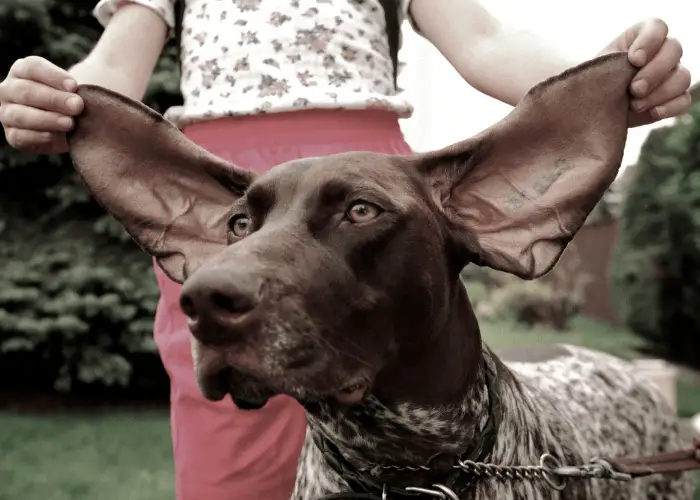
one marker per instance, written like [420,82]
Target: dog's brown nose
[217,298]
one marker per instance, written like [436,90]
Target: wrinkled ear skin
[517,193]
[172,196]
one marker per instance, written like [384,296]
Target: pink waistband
[298,127]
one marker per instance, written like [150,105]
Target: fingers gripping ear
[517,193]
[171,195]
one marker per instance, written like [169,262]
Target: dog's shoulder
[611,402]
[573,373]
[615,410]
[564,361]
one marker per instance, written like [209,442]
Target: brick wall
[594,245]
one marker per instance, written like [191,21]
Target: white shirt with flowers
[242,57]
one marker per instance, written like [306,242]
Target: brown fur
[363,318]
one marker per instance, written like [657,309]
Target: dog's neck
[426,409]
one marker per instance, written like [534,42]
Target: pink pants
[221,452]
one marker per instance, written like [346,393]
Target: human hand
[660,88]
[37,105]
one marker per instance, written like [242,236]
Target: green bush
[552,300]
[485,276]
[656,264]
[77,297]
[477,291]
[533,303]
[81,319]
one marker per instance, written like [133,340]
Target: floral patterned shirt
[242,57]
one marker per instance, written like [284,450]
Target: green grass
[117,456]
[688,394]
[584,332]
[126,455]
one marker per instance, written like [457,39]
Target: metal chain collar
[549,470]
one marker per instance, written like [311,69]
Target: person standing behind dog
[265,82]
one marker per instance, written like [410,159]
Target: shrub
[477,291]
[485,276]
[656,264]
[79,320]
[550,301]
[534,303]
[77,297]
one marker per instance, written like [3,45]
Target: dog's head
[309,280]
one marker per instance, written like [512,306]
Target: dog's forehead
[385,171]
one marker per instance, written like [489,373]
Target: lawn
[115,456]
[126,455]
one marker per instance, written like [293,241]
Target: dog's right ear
[172,196]
[515,195]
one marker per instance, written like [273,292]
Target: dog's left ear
[171,195]
[517,193]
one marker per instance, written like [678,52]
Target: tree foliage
[77,297]
[656,266]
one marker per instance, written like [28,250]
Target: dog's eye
[362,211]
[240,225]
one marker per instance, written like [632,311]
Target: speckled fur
[331,305]
[576,406]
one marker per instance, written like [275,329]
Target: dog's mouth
[244,404]
[245,393]
[217,378]
[352,393]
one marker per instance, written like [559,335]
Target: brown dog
[336,280]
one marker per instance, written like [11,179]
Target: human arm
[504,61]
[37,99]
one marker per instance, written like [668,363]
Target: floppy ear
[172,196]
[517,193]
